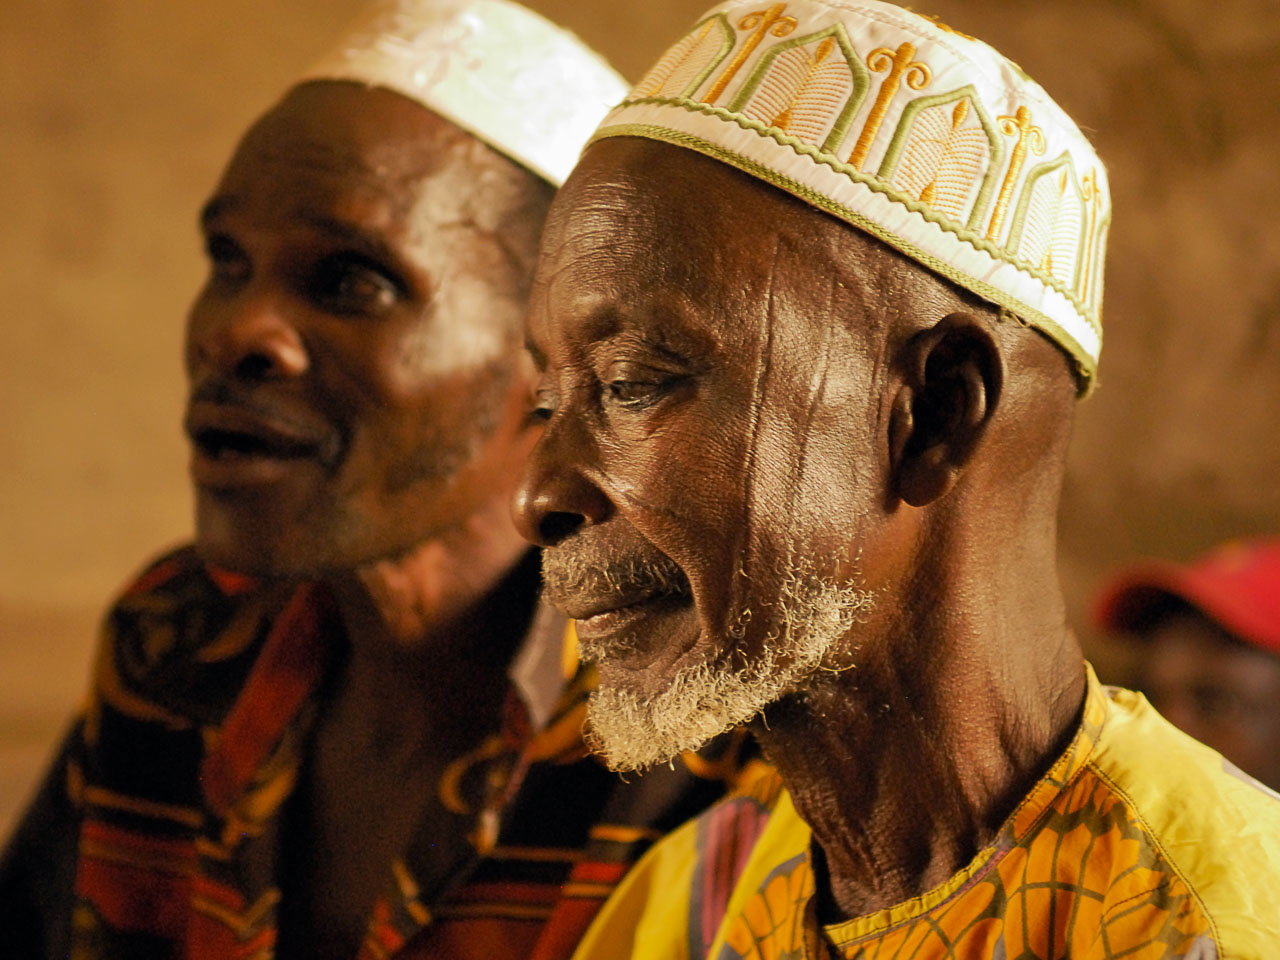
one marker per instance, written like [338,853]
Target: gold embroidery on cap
[688,63]
[953,148]
[900,66]
[1029,137]
[944,158]
[806,87]
[1047,226]
[942,26]
[1093,206]
[754,64]
[929,194]
[783,120]
[674,59]
[761,22]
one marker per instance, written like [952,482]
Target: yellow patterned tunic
[1139,843]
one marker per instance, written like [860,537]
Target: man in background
[338,725]
[1209,635]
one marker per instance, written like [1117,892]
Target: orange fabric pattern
[1139,843]
[173,790]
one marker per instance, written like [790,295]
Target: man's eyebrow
[539,358]
[669,325]
[371,245]
[215,208]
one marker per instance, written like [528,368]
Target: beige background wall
[116,115]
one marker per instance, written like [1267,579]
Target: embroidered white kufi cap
[926,138]
[522,84]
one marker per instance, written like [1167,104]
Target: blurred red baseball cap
[1237,585]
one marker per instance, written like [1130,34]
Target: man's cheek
[673,455]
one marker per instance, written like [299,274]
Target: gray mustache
[578,573]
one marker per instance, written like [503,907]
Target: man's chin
[678,705]
[634,730]
[257,557]
[256,541]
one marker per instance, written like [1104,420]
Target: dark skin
[730,378]
[1221,690]
[358,415]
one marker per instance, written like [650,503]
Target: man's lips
[607,601]
[602,620]
[235,445]
[609,579]
[585,607]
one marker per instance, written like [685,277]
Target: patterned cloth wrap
[1138,843]
[926,138]
[158,833]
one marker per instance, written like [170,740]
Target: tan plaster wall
[116,115]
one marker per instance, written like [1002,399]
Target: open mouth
[221,444]
[236,446]
[595,586]
[589,606]
[625,594]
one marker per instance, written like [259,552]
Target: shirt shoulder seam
[1132,806]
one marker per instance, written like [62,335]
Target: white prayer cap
[525,86]
[924,137]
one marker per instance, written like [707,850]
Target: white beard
[705,699]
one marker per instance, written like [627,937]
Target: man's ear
[953,375]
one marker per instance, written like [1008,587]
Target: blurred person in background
[1209,640]
[340,724]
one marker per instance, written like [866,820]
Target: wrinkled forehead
[640,217]
[635,212]
[342,138]
[667,186]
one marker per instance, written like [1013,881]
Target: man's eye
[636,385]
[541,406]
[227,262]
[347,285]
[629,393]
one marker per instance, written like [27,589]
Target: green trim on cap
[1085,364]
[893,155]
[872,182]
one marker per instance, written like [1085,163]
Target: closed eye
[633,386]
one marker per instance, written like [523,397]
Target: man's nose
[250,337]
[555,497]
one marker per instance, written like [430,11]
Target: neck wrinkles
[906,768]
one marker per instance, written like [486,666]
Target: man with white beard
[812,315]
[708,697]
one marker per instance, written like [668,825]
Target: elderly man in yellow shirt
[813,313]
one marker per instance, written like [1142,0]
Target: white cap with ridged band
[524,85]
